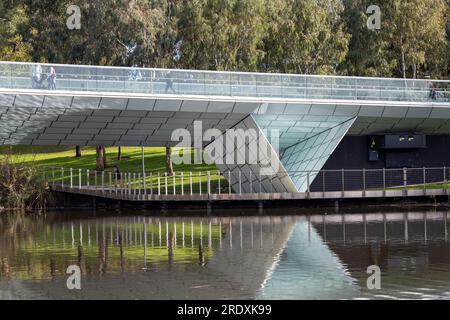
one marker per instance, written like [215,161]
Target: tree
[368,53]
[108,29]
[151,32]
[101,158]
[119,153]
[77,152]
[304,36]
[220,35]
[12,45]
[169,164]
[417,33]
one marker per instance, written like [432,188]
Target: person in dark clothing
[169,83]
[433,93]
[116,172]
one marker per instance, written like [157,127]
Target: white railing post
[144,184]
[229,182]
[240,185]
[190,182]
[62,177]
[103,182]
[182,183]
[260,183]
[79,179]
[424,179]
[123,183]
[200,181]
[165,181]
[405,177]
[151,183]
[209,183]
[159,184]
[307,184]
[87,178]
[110,182]
[174,179]
[134,184]
[364,182]
[445,178]
[251,182]
[71,178]
[219,176]
[116,181]
[324,189]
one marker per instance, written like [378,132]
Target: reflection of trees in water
[48,247]
[5,269]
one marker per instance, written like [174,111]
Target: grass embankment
[51,159]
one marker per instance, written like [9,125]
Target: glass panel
[196,82]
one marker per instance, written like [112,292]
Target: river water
[139,256]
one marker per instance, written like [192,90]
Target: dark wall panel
[353,153]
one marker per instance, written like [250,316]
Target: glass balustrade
[15,75]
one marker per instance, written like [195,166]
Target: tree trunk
[169,165]
[77,152]
[119,153]
[101,158]
[403,61]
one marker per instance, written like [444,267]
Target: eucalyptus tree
[221,35]
[417,34]
[369,48]
[304,36]
[12,18]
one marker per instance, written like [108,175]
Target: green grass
[55,163]
[434,185]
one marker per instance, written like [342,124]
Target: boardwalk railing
[136,185]
[15,75]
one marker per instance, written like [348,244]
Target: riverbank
[211,205]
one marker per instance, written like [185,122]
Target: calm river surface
[126,256]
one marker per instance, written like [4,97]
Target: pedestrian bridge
[111,106]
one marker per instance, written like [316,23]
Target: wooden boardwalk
[139,195]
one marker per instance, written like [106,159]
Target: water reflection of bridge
[218,257]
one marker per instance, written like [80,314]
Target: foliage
[20,184]
[298,36]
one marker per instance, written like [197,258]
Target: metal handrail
[227,83]
[217,182]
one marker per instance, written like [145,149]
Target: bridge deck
[141,196]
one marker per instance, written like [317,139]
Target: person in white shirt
[52,79]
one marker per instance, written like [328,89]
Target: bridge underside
[307,131]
